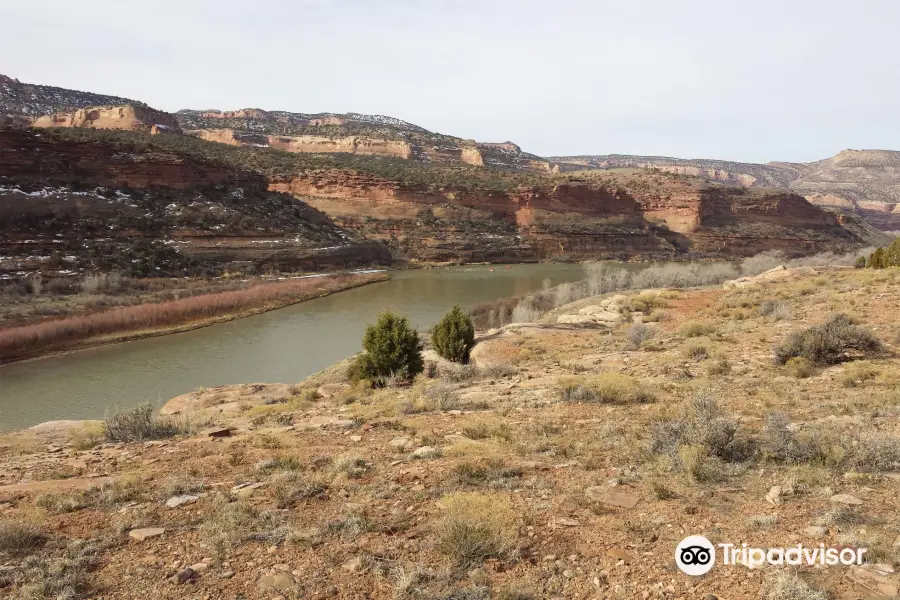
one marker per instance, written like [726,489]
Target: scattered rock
[616,496]
[331,389]
[876,578]
[146,533]
[176,501]
[200,567]
[353,565]
[846,499]
[183,576]
[815,531]
[617,554]
[277,582]
[425,452]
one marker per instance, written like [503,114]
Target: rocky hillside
[68,205]
[433,197]
[23,105]
[440,212]
[353,133]
[747,174]
[866,182]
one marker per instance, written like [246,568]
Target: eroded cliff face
[129,117]
[573,221]
[71,206]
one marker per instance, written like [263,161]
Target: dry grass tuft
[606,388]
[476,526]
[787,585]
[18,538]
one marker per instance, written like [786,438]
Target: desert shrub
[696,351]
[699,465]
[856,373]
[482,430]
[60,502]
[778,310]
[785,584]
[58,577]
[476,526]
[800,367]
[657,315]
[233,523]
[351,465]
[638,335]
[87,437]
[20,537]
[720,366]
[139,424]
[830,342]
[391,347]
[606,388]
[693,329]
[454,336]
[701,423]
[443,395]
[865,450]
[292,486]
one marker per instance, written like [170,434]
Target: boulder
[146,533]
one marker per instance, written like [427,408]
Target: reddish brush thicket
[30,340]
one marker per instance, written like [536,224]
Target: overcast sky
[759,80]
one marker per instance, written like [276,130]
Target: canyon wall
[129,117]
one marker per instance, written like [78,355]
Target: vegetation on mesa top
[17,98]
[279,165]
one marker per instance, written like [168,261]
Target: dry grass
[476,526]
[606,388]
[787,585]
[142,423]
[18,538]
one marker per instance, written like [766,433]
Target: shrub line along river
[283,345]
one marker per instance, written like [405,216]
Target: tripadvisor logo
[696,555]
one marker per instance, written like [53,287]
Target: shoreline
[366,278]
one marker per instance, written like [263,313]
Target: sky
[761,80]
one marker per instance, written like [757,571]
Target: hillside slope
[352,133]
[865,182]
[68,205]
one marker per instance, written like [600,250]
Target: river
[283,345]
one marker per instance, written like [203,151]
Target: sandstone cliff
[865,182]
[70,205]
[351,133]
[130,117]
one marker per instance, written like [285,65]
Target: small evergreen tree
[876,259]
[454,336]
[391,348]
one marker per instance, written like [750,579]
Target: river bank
[130,323]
